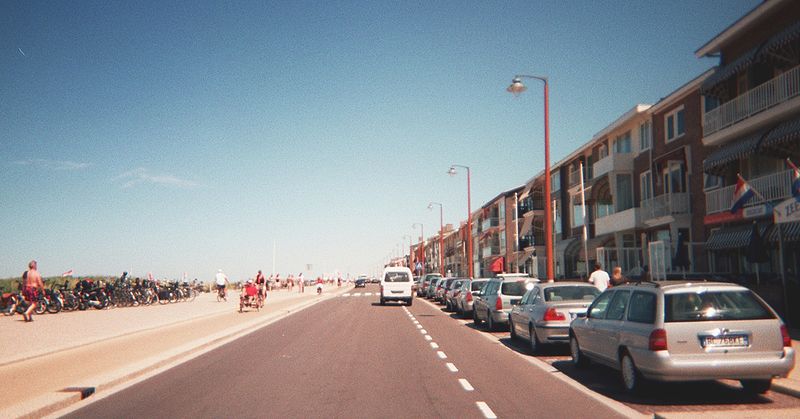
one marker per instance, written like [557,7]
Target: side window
[618,305]
[598,308]
[534,296]
[643,308]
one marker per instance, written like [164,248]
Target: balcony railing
[627,258]
[772,187]
[489,223]
[773,92]
[613,162]
[490,251]
[667,204]
[575,177]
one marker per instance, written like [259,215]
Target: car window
[643,307]
[492,289]
[618,305]
[396,277]
[514,288]
[571,292]
[716,305]
[476,286]
[598,308]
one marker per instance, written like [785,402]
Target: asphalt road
[350,357]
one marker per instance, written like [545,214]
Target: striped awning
[732,152]
[790,231]
[727,71]
[786,132]
[782,38]
[733,237]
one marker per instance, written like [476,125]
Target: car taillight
[658,340]
[469,297]
[498,304]
[787,340]
[551,315]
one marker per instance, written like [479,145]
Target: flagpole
[585,232]
[516,227]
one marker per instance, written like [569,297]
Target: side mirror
[581,315]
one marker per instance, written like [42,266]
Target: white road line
[465,384]
[416,322]
[419,326]
[358,294]
[487,412]
[451,367]
[367,294]
[346,295]
[424,332]
[441,354]
[434,345]
[428,337]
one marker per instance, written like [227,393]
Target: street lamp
[516,88]
[453,172]
[422,237]
[441,234]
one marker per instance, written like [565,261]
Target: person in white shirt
[599,278]
[222,282]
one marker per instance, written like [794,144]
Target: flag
[741,194]
[67,273]
[795,180]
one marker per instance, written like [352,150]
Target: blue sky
[173,137]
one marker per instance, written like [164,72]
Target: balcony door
[673,177]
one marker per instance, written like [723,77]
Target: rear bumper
[552,334]
[663,367]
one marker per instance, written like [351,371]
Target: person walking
[32,286]
[599,278]
[222,282]
[617,278]
[261,283]
[301,283]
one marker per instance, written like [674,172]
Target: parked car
[684,331]
[545,312]
[451,292]
[497,297]
[431,292]
[469,289]
[426,283]
[396,285]
[441,289]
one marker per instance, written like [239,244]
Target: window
[618,305]
[646,185]
[555,182]
[714,306]
[624,192]
[556,218]
[673,177]
[711,181]
[396,277]
[645,135]
[514,288]
[602,152]
[598,308]
[622,144]
[674,124]
[643,308]
[577,212]
[571,292]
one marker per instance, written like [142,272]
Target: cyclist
[222,282]
[261,283]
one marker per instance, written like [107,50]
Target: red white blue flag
[795,180]
[741,194]
[67,273]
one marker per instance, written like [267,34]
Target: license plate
[725,341]
[397,292]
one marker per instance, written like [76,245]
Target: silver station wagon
[684,331]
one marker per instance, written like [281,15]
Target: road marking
[424,332]
[428,337]
[358,294]
[441,354]
[419,326]
[367,294]
[465,384]
[434,345]
[416,322]
[451,367]
[346,295]
[487,412]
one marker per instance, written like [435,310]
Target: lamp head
[452,171]
[516,87]
[430,205]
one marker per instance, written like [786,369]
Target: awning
[791,233]
[526,225]
[729,153]
[725,72]
[782,38]
[733,237]
[498,264]
[786,132]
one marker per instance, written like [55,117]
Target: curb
[785,389]
[51,404]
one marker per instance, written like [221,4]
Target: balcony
[620,221]
[771,94]
[489,251]
[614,162]
[773,187]
[665,205]
[490,222]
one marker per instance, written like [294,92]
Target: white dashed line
[451,367]
[434,345]
[465,384]
[424,332]
[419,326]
[346,295]
[428,337]
[416,322]
[487,412]
[441,354]
[367,294]
[358,294]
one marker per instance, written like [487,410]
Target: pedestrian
[261,283]
[222,282]
[32,285]
[301,283]
[290,282]
[617,278]
[599,278]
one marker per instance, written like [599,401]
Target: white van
[396,284]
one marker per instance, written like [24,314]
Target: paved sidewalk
[84,352]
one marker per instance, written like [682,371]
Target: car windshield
[476,285]
[717,305]
[514,288]
[572,292]
[396,277]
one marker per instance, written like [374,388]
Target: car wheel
[511,326]
[489,321]
[475,318]
[534,341]
[631,377]
[578,359]
[756,386]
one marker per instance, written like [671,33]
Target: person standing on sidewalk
[32,286]
[301,283]
[599,278]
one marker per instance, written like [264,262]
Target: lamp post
[453,172]
[441,234]
[422,238]
[516,88]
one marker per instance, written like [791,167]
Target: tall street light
[516,88]
[422,238]
[441,234]
[453,172]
